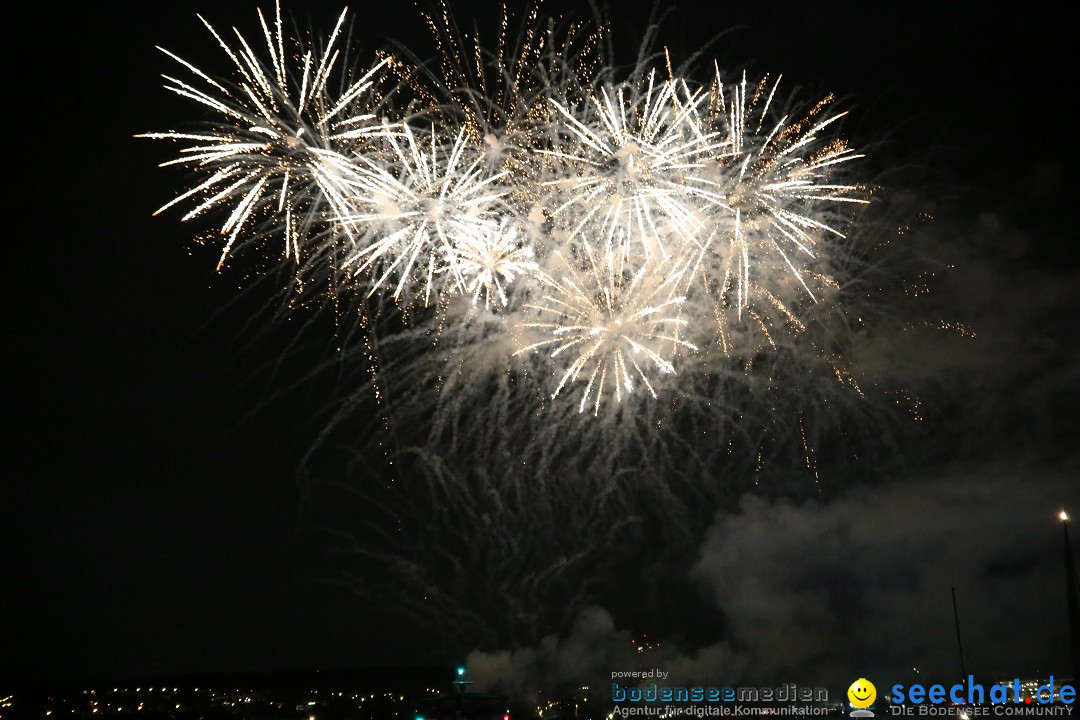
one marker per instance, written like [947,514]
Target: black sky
[151,520]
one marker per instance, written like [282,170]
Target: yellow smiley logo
[862,693]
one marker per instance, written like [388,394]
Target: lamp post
[1072,596]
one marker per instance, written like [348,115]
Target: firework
[779,207]
[585,305]
[418,207]
[489,261]
[616,324]
[276,159]
[622,228]
[629,165]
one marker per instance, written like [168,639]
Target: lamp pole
[1072,596]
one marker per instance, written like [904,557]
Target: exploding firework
[569,279]
[615,322]
[631,164]
[275,161]
[418,208]
[647,209]
[490,260]
[780,207]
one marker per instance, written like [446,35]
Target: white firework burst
[780,198]
[628,165]
[489,261]
[415,206]
[613,324]
[279,151]
[646,217]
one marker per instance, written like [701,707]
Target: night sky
[152,520]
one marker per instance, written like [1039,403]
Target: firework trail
[563,281]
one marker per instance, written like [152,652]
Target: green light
[461,670]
